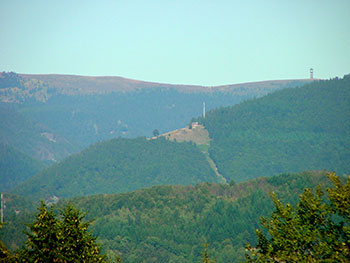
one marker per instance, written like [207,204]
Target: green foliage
[16,167]
[169,223]
[51,239]
[205,256]
[121,165]
[43,243]
[18,210]
[5,255]
[314,231]
[291,130]
[155,132]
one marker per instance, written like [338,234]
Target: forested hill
[16,167]
[290,130]
[31,137]
[171,223]
[121,165]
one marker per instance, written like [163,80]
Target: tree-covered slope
[30,137]
[18,211]
[290,130]
[170,223]
[121,165]
[16,167]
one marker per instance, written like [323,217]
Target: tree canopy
[121,165]
[316,230]
[60,239]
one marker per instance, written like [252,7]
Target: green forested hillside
[121,165]
[288,131]
[30,137]
[16,167]
[17,212]
[170,223]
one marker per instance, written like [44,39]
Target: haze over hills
[32,138]
[50,117]
[288,131]
[84,110]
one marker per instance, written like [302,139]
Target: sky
[201,42]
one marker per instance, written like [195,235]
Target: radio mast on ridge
[203,109]
[2,207]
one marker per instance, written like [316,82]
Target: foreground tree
[317,230]
[52,239]
[205,256]
[78,243]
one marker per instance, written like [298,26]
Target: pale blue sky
[184,42]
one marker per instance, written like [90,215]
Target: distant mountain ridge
[84,110]
[76,84]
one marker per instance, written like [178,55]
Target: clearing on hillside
[198,135]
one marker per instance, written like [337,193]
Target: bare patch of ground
[198,135]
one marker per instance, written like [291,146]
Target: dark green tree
[317,230]
[155,132]
[52,239]
[78,243]
[44,238]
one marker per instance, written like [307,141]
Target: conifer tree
[78,243]
[44,238]
[51,239]
[205,256]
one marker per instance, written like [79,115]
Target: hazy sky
[186,42]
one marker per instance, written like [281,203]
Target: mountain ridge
[64,82]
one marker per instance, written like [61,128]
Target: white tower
[203,109]
[311,73]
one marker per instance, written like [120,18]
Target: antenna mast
[203,109]
[2,208]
